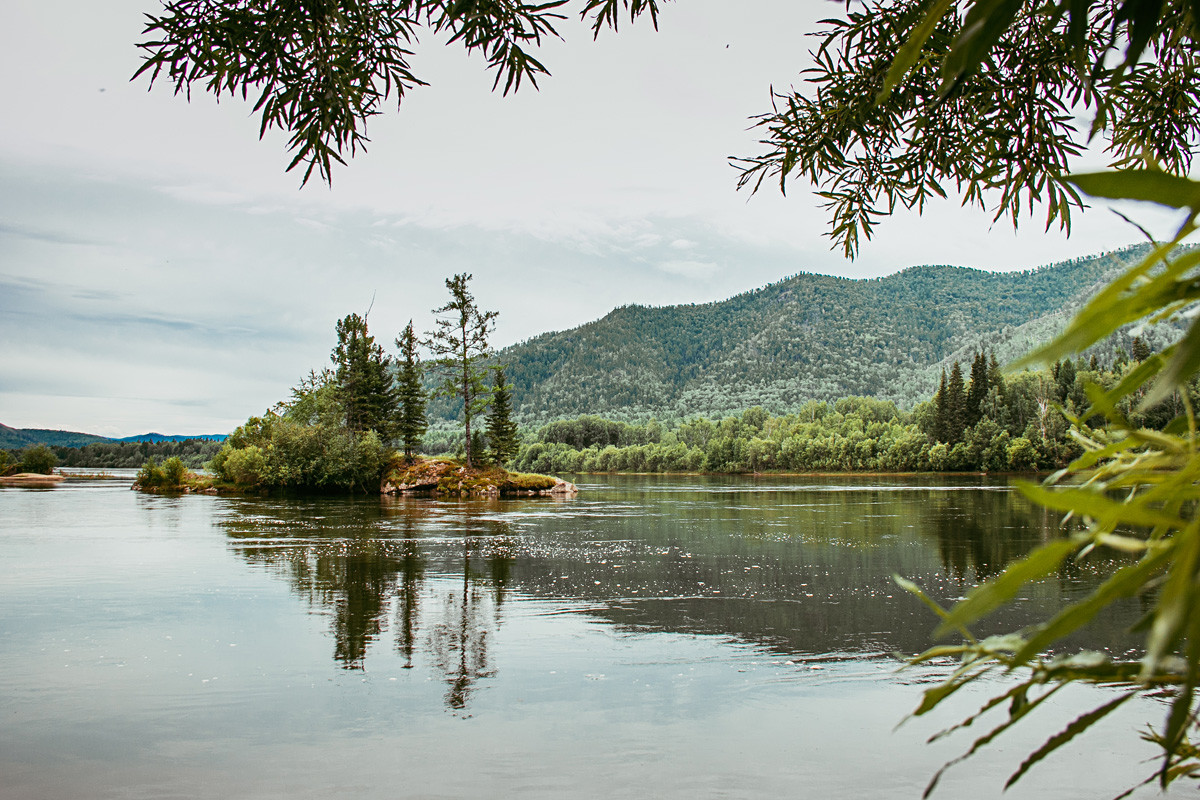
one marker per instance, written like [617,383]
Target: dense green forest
[106,454]
[978,420]
[805,338]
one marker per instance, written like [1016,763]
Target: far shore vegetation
[979,420]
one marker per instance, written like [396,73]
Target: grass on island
[438,476]
[445,476]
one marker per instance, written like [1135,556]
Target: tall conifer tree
[501,430]
[941,416]
[956,405]
[460,344]
[411,423]
[977,392]
[995,377]
[363,378]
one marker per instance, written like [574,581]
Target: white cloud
[696,270]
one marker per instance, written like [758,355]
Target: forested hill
[805,337]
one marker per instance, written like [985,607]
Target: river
[654,637]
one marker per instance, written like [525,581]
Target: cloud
[695,270]
[44,234]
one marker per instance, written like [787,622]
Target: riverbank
[439,477]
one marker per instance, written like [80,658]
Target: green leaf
[1183,364]
[991,595]
[1108,512]
[986,22]
[1140,184]
[1124,583]
[1077,726]
[1132,296]
[910,51]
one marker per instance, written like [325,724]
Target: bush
[151,474]
[39,459]
[174,472]
[246,466]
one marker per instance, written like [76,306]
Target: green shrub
[174,472]
[246,466]
[39,459]
[151,474]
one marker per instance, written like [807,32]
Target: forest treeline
[981,421]
[194,453]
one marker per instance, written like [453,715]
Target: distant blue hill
[17,438]
[160,437]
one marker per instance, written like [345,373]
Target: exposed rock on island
[443,477]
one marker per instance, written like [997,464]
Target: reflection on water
[803,569]
[670,638]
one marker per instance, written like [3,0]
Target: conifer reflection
[439,597]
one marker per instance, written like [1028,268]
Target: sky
[161,271]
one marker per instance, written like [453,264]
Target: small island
[31,480]
[338,430]
[434,477]
[446,477]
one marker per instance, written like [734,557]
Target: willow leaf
[1123,300]
[1152,186]
[998,591]
[1077,726]
[987,738]
[1094,504]
[910,51]
[1183,364]
[1124,583]
[1174,602]
[1016,694]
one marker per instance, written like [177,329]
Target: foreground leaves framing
[1134,490]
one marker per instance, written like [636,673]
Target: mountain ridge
[805,337]
[17,438]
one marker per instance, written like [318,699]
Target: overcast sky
[160,271]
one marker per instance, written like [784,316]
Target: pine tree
[956,405]
[941,417]
[460,344]
[1065,377]
[363,379]
[978,390]
[501,430]
[995,376]
[1139,349]
[411,423]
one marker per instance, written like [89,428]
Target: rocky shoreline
[442,477]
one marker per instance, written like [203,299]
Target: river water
[654,637]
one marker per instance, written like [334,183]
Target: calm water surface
[655,637]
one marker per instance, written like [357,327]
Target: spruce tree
[995,377]
[460,344]
[941,417]
[1065,378]
[978,390]
[363,379]
[410,423]
[501,430]
[956,405]
[1139,349]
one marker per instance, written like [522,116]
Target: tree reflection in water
[805,570]
[368,576]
